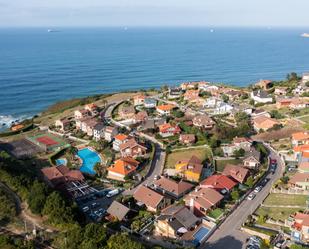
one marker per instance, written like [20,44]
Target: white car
[251,196]
[257,189]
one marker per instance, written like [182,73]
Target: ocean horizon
[39,68]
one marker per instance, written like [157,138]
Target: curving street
[228,234]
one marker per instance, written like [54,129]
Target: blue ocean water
[38,68]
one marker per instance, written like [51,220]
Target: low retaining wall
[289,191]
[256,233]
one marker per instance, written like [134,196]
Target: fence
[289,191]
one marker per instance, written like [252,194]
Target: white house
[305,77]
[98,131]
[223,108]
[109,133]
[150,103]
[261,96]
[212,102]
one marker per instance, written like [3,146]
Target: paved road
[157,163]
[228,234]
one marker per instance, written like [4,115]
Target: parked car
[258,189]
[265,181]
[251,196]
[113,193]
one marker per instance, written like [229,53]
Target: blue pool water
[201,234]
[61,161]
[89,158]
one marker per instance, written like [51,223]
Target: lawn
[286,200]
[216,213]
[305,119]
[174,157]
[220,164]
[277,213]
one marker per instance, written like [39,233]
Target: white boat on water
[52,30]
[305,35]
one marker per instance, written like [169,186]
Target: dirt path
[31,221]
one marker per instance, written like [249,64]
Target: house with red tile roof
[172,188]
[191,95]
[188,85]
[139,99]
[151,199]
[141,117]
[264,123]
[203,121]
[187,138]
[299,225]
[201,200]
[299,181]
[167,130]
[118,140]
[165,109]
[122,168]
[236,172]
[132,149]
[299,138]
[60,175]
[220,183]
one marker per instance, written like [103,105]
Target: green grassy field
[305,119]
[286,200]
[220,164]
[174,157]
[277,213]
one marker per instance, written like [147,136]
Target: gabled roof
[219,182]
[124,166]
[131,143]
[166,127]
[237,172]
[148,196]
[264,122]
[167,107]
[300,136]
[118,210]
[301,148]
[180,213]
[299,178]
[121,137]
[193,164]
[206,197]
[172,186]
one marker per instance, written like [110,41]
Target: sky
[57,13]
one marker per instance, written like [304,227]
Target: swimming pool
[61,161]
[201,234]
[89,158]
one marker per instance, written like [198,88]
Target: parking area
[94,205]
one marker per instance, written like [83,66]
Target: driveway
[228,235]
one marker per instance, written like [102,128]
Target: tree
[57,211]
[73,151]
[295,246]
[239,153]
[122,240]
[235,195]
[225,98]
[7,206]
[37,197]
[250,182]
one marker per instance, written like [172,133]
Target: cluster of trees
[243,128]
[94,236]
[41,200]
[10,242]
[7,206]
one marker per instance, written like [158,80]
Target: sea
[39,68]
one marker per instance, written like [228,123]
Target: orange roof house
[139,99]
[17,127]
[122,168]
[165,109]
[299,138]
[264,123]
[167,130]
[118,140]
